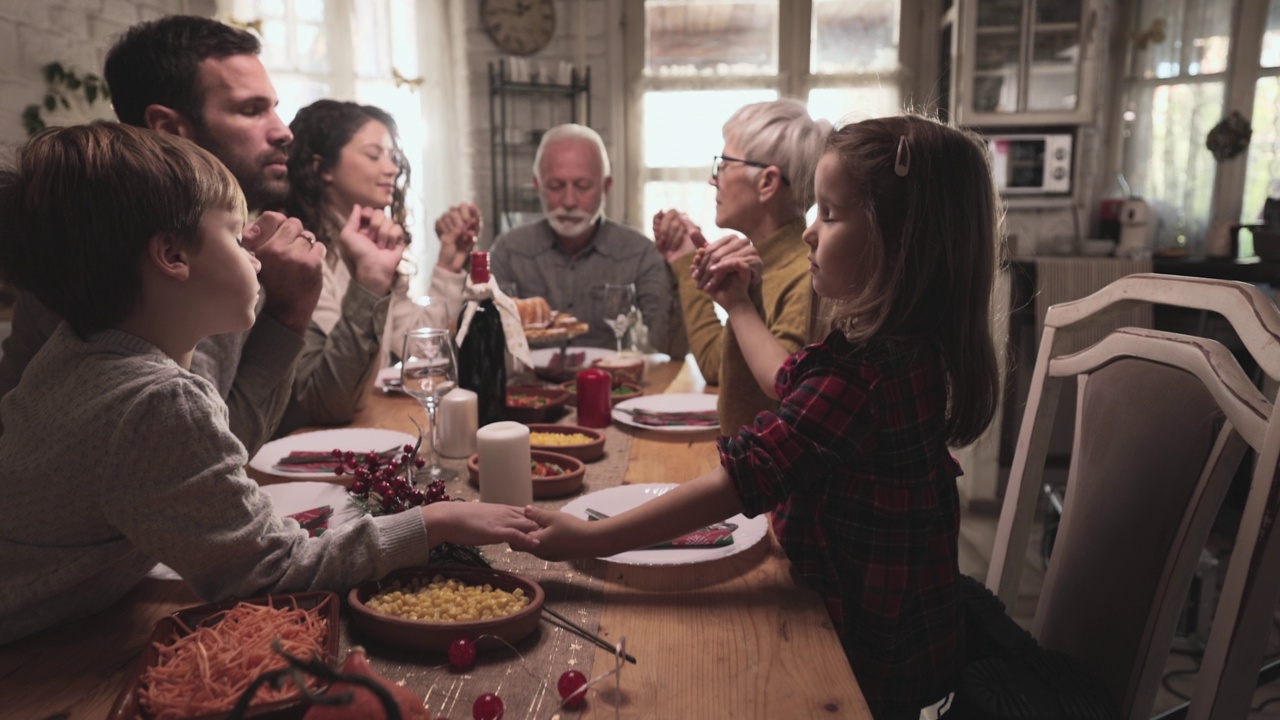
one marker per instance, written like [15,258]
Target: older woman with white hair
[764,185]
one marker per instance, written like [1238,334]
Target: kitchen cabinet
[523,104]
[1019,62]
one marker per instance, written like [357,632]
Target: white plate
[670,402]
[357,440]
[295,497]
[617,500]
[290,498]
[385,374]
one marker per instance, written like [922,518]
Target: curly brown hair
[321,130]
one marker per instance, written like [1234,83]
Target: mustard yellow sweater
[787,304]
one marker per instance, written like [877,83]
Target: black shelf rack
[519,112]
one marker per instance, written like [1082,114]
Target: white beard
[575,224]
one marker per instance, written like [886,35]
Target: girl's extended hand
[372,246]
[457,229]
[479,524]
[676,235]
[561,536]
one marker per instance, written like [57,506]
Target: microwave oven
[1031,164]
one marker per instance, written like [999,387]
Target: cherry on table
[571,682]
[462,654]
[487,707]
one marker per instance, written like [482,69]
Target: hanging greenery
[65,89]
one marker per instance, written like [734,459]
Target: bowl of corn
[426,608]
[583,443]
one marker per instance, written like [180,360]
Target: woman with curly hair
[348,180]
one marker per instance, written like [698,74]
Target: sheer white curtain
[1177,79]
[405,57]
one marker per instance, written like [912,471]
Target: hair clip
[902,163]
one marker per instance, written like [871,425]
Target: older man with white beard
[571,254]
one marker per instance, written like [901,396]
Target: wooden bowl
[183,622]
[627,368]
[435,636]
[555,397]
[586,452]
[548,487]
[621,391]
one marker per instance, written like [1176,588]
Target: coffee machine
[1138,225]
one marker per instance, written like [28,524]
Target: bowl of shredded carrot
[200,660]
[427,608]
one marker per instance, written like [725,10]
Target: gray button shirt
[531,257]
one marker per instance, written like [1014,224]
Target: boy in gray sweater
[116,456]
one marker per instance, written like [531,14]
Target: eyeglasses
[717,164]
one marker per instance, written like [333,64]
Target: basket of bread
[544,326]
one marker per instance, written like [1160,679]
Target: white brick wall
[75,33]
[601,45]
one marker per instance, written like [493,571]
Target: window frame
[793,79]
[1239,79]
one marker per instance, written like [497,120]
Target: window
[1191,67]
[697,61]
[368,52]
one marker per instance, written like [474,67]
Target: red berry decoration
[385,485]
[572,681]
[462,654]
[487,707]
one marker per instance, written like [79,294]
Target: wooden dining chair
[1162,423]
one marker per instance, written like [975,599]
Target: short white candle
[506,474]
[458,417]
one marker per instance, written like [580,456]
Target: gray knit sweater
[114,458]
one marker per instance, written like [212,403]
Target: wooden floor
[977,535]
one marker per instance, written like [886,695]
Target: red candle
[595,408]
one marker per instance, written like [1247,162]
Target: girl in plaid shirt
[855,465]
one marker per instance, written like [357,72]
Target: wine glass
[619,309]
[428,370]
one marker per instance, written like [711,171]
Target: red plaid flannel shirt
[856,469]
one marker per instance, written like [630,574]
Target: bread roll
[534,312]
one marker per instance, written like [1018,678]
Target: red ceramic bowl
[586,452]
[628,368]
[551,402]
[432,636]
[621,391]
[183,622]
[544,487]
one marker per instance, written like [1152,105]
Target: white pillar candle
[458,416]
[506,474]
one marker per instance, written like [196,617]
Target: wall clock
[520,27]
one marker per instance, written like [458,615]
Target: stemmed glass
[619,309]
[428,370]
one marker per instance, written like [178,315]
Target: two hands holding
[372,246]
[725,270]
[373,243]
[549,534]
[457,229]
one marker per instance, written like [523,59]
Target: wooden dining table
[735,638]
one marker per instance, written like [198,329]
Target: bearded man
[574,251]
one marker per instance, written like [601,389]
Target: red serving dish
[434,636]
[183,622]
